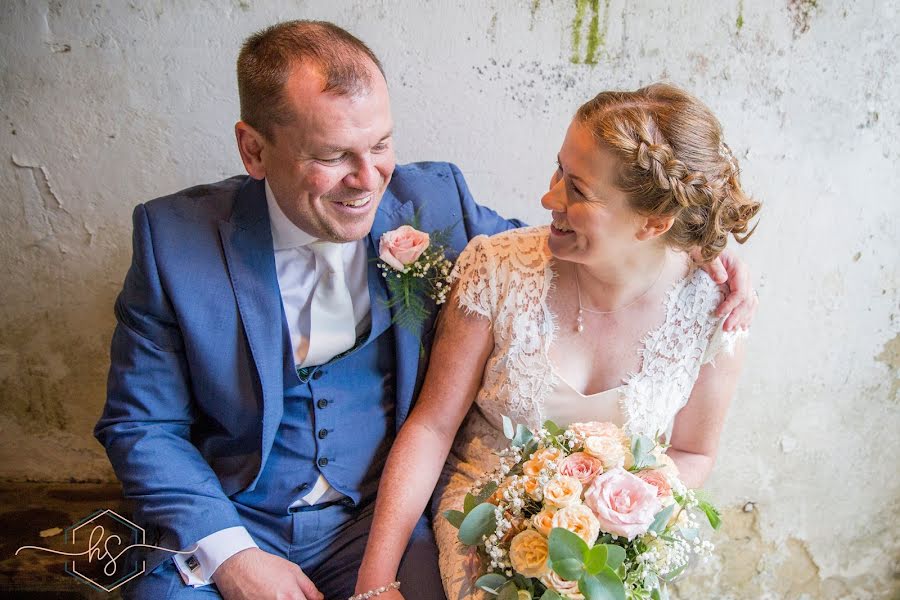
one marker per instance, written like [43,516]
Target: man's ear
[250,144]
[653,226]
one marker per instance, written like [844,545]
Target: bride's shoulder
[514,243]
[696,299]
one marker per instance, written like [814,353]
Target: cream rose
[665,463]
[563,491]
[543,521]
[528,553]
[565,588]
[624,504]
[608,449]
[581,466]
[580,520]
[402,246]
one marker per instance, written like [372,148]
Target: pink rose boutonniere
[415,268]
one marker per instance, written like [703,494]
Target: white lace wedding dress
[506,278]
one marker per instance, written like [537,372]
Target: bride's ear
[653,226]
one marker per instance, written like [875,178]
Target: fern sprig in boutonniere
[415,269]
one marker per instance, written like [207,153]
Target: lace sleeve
[721,340]
[473,275]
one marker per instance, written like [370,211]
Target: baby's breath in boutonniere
[415,269]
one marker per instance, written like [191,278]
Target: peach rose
[543,521]
[548,454]
[563,491]
[532,487]
[565,588]
[579,520]
[402,246]
[528,553]
[532,467]
[624,504]
[581,466]
[658,479]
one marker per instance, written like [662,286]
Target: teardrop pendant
[580,321]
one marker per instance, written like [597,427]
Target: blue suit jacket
[195,384]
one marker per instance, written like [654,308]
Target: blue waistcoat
[339,419]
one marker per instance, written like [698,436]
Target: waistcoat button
[322,403]
[323,462]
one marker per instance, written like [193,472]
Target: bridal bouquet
[584,513]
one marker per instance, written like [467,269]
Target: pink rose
[581,466]
[624,504]
[657,479]
[402,246]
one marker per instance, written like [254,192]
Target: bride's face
[592,221]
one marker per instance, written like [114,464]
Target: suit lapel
[247,243]
[392,214]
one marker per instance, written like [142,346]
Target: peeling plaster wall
[107,104]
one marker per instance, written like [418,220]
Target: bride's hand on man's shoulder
[741,301]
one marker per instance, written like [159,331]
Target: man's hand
[253,574]
[741,300]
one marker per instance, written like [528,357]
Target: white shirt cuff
[197,568]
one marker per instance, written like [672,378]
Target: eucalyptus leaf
[508,592]
[522,437]
[455,517]
[569,568]
[508,430]
[615,556]
[565,544]
[530,448]
[490,582]
[551,595]
[479,522]
[662,519]
[487,491]
[641,448]
[469,503]
[595,559]
[605,585]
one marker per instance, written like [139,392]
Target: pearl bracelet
[377,591]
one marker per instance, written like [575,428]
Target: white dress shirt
[296,269]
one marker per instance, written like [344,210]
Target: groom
[256,380]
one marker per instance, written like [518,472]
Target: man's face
[330,166]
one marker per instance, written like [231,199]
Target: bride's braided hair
[673,162]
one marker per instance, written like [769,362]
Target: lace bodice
[506,279]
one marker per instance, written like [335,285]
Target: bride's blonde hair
[674,162]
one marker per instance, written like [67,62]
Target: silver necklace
[582,309]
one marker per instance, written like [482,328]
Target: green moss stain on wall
[740,17]
[597,28]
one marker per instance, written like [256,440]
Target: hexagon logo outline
[138,536]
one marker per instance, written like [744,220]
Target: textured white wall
[107,104]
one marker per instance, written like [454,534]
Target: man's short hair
[268,56]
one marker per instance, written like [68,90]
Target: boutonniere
[415,268]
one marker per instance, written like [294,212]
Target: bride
[601,316]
